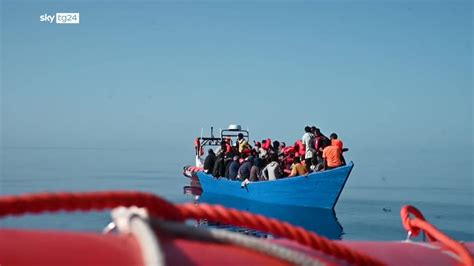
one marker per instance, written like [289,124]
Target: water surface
[367,209]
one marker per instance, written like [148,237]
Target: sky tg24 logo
[61,18]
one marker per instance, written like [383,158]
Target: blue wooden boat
[319,189]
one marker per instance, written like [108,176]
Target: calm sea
[382,181]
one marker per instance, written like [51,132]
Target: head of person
[313,129]
[333,136]
[317,132]
[258,144]
[326,142]
[276,144]
[240,136]
[307,129]
[297,160]
[210,151]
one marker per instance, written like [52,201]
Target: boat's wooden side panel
[320,189]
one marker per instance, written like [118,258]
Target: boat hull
[320,190]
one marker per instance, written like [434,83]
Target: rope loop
[406,219]
[419,223]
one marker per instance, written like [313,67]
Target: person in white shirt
[307,140]
[272,170]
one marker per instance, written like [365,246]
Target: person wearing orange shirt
[332,154]
[336,141]
[340,144]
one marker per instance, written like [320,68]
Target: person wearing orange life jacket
[299,147]
[267,144]
[198,148]
[228,145]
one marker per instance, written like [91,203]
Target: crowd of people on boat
[267,160]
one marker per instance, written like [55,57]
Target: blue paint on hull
[320,190]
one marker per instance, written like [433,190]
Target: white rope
[134,220]
[224,236]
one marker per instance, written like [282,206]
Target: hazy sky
[147,74]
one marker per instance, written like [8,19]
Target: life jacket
[267,144]
[301,146]
[198,148]
[247,151]
[288,150]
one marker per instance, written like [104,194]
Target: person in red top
[332,154]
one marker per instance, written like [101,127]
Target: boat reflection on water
[322,221]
